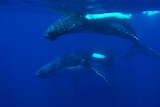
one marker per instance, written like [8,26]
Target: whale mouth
[51,36]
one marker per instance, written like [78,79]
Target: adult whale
[116,24]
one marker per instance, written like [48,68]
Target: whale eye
[98,56]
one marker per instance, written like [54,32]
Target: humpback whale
[97,61]
[116,24]
[108,25]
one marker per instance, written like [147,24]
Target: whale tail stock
[141,49]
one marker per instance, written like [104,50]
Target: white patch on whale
[99,56]
[108,15]
[151,13]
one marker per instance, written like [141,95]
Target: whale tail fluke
[141,49]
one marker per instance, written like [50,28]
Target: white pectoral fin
[105,76]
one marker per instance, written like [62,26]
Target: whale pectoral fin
[124,32]
[105,76]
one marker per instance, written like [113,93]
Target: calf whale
[97,61]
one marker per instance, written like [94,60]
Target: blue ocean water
[24,50]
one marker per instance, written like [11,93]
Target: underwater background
[23,50]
